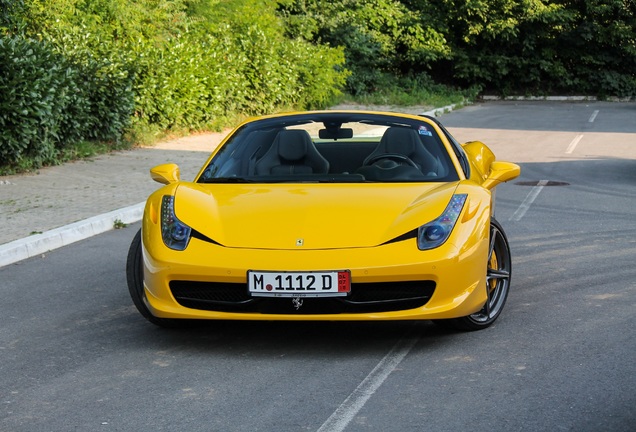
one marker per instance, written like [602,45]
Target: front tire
[135,279]
[498,272]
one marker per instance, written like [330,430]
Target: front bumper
[447,282]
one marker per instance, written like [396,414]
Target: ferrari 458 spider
[327,215]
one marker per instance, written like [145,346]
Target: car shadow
[288,338]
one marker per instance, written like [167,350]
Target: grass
[411,92]
[118,224]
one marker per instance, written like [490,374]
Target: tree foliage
[381,38]
[74,70]
[506,46]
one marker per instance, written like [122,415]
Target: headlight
[175,234]
[436,232]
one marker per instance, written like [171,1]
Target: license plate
[299,284]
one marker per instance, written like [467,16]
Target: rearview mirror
[166,173]
[336,134]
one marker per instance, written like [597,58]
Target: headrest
[400,140]
[292,144]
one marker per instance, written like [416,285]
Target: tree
[381,38]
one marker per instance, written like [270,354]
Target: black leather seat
[292,152]
[406,141]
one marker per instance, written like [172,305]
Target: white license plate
[299,284]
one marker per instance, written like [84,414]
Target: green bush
[503,46]
[320,74]
[49,102]
[34,85]
[101,106]
[380,37]
[233,62]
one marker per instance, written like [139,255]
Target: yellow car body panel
[275,216]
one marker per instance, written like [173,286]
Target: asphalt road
[76,356]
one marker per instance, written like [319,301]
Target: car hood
[309,216]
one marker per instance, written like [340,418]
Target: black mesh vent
[364,298]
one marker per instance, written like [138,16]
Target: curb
[34,245]
[539,98]
[443,110]
[555,98]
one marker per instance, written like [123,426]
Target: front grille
[364,298]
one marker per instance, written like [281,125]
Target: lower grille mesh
[364,298]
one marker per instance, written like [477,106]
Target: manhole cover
[542,183]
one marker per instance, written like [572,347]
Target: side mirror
[166,173]
[491,171]
[481,156]
[501,172]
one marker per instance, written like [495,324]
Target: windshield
[332,147]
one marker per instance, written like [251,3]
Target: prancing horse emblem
[300,242]
[297,302]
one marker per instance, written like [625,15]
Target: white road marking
[593,116]
[525,205]
[347,410]
[573,144]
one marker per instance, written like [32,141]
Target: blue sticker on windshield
[424,131]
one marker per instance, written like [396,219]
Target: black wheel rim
[497,277]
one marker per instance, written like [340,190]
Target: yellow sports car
[327,215]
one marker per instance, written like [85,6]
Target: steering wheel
[400,158]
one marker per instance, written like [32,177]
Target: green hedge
[49,102]
[75,70]
[237,62]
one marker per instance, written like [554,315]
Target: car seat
[292,152]
[406,141]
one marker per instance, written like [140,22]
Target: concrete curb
[554,98]
[446,109]
[34,245]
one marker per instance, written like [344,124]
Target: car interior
[329,152]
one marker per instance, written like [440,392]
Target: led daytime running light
[175,234]
[436,232]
